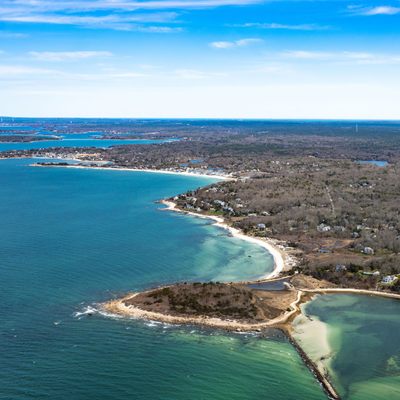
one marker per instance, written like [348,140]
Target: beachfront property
[389,279]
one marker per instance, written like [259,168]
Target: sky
[315,59]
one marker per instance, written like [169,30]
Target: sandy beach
[312,336]
[278,255]
[355,291]
[268,244]
[156,171]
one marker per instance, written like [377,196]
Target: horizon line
[352,119]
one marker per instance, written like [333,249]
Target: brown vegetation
[226,301]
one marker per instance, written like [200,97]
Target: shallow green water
[71,238]
[364,333]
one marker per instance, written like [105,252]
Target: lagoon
[363,335]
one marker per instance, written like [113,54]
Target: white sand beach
[156,171]
[268,244]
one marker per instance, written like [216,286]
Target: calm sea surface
[75,141]
[72,238]
[364,336]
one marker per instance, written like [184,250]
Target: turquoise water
[72,141]
[374,162]
[71,238]
[364,336]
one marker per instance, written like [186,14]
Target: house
[368,250]
[323,228]
[261,226]
[219,203]
[389,279]
[340,268]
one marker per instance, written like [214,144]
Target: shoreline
[118,307]
[283,322]
[353,291]
[268,244]
[156,171]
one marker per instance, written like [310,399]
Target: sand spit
[320,376]
[354,291]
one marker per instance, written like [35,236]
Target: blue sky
[200,58]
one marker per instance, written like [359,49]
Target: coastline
[308,336]
[353,291]
[118,307]
[282,322]
[156,171]
[278,255]
[311,336]
[317,364]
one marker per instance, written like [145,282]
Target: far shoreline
[148,170]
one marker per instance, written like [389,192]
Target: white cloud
[247,42]
[383,10]
[159,29]
[19,70]
[308,55]
[117,22]
[110,14]
[13,35]
[196,74]
[222,45]
[344,57]
[370,11]
[299,27]
[68,55]
[113,5]
[237,43]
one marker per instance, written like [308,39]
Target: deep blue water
[71,238]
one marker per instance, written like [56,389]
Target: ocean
[71,238]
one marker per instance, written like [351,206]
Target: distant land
[328,190]
[320,196]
